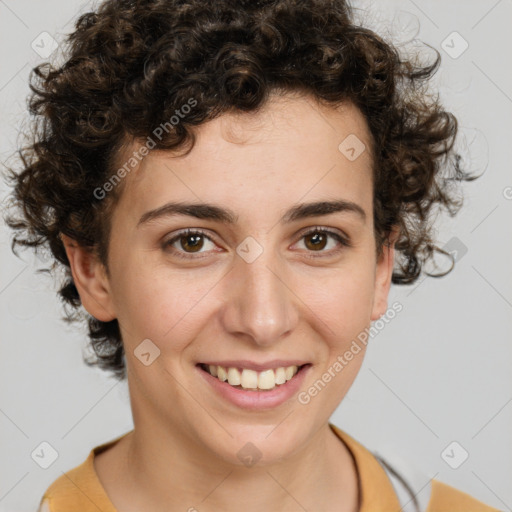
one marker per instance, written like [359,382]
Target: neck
[167,469]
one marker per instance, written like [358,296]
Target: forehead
[292,149]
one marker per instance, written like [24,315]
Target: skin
[183,450]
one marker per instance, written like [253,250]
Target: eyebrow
[227,216]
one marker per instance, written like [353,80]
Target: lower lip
[249,399]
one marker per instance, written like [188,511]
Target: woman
[233,187]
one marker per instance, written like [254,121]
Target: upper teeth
[250,379]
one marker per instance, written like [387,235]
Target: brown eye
[187,243]
[318,240]
[191,242]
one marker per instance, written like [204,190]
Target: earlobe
[383,275]
[90,280]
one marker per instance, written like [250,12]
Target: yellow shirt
[80,489]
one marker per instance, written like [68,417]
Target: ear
[383,275]
[91,280]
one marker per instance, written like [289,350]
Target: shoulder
[445,498]
[62,493]
[79,488]
[388,480]
[67,492]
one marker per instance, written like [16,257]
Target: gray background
[439,372]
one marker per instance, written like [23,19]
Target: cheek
[162,305]
[344,312]
[343,300]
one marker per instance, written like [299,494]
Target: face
[260,281]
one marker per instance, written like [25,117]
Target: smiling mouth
[251,380]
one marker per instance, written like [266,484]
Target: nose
[260,302]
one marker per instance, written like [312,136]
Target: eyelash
[180,254]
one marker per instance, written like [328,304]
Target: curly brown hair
[131,63]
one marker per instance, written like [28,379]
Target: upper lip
[258,367]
